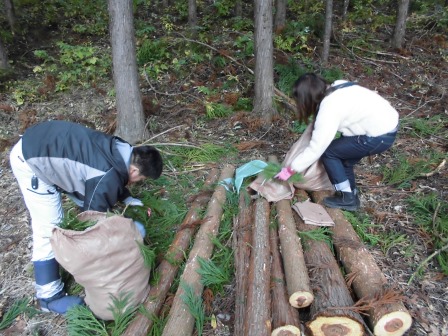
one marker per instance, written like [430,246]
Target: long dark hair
[308,91]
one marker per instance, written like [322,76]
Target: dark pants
[346,151]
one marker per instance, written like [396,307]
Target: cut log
[296,273]
[331,294]
[285,318]
[369,283]
[180,321]
[242,242]
[167,269]
[258,311]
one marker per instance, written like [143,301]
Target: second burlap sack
[105,259]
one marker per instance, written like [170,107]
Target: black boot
[343,200]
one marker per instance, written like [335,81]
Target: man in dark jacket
[93,168]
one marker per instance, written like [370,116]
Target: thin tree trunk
[327,32]
[10,14]
[3,56]
[280,16]
[285,318]
[167,269]
[400,25]
[368,282]
[258,312]
[242,246]
[192,14]
[180,320]
[130,118]
[264,60]
[239,8]
[345,9]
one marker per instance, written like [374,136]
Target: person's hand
[285,173]
[132,201]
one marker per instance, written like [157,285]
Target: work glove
[132,201]
[285,173]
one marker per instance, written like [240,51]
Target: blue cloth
[249,169]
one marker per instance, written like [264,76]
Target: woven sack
[105,259]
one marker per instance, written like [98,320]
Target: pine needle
[195,306]
[149,255]
[82,322]
[123,313]
[17,308]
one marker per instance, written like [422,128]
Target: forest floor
[415,82]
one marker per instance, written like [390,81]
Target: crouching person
[93,168]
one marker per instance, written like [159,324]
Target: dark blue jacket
[78,160]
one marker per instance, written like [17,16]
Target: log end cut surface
[288,330]
[393,324]
[335,326]
[301,299]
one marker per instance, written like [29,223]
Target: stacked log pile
[281,287]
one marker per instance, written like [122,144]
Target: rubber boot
[343,200]
[50,289]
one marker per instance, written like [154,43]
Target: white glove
[132,201]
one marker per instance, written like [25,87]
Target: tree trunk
[264,69]
[242,242]
[369,283]
[258,312]
[327,32]
[280,16]
[131,121]
[192,14]
[331,294]
[167,269]
[239,8]
[345,9]
[10,14]
[400,25]
[180,320]
[3,57]
[285,318]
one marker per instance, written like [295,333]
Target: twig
[168,130]
[426,102]
[382,53]
[434,254]
[175,144]
[435,171]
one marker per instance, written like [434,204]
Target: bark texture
[369,283]
[242,243]
[296,272]
[258,312]
[264,59]
[327,31]
[285,318]
[130,118]
[167,269]
[400,24]
[331,294]
[180,320]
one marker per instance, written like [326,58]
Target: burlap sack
[314,177]
[105,259]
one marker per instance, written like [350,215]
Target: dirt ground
[415,83]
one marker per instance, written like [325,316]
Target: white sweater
[352,110]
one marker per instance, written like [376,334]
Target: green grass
[19,307]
